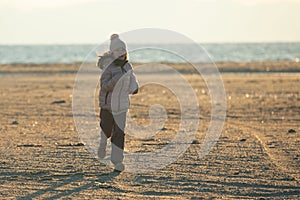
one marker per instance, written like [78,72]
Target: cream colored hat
[116,42]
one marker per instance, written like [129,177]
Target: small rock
[164,129]
[29,145]
[15,122]
[195,142]
[78,144]
[291,131]
[243,140]
[289,179]
[236,173]
[70,144]
[58,102]
[102,185]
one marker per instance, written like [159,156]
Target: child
[117,82]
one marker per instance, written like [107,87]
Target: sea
[139,53]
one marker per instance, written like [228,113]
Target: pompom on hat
[116,42]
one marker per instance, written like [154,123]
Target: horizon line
[136,43]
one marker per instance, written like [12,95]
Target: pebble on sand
[58,102]
[195,142]
[29,145]
[70,144]
[15,122]
[291,131]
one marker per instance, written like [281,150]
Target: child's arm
[108,81]
[104,60]
[134,86]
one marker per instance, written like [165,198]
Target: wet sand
[256,156]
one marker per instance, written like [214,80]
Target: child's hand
[107,53]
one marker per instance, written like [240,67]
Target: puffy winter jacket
[116,84]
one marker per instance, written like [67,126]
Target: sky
[204,21]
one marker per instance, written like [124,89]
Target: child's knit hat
[116,42]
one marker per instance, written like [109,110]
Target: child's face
[119,53]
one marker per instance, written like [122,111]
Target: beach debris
[103,185]
[236,173]
[15,122]
[164,129]
[155,143]
[195,142]
[243,140]
[288,179]
[79,144]
[29,145]
[291,131]
[58,102]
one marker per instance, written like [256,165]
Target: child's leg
[106,125]
[102,147]
[107,122]
[117,139]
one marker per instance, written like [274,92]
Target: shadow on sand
[64,180]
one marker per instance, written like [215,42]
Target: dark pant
[113,126]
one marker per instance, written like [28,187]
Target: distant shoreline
[143,53]
[224,67]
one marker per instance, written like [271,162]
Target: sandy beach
[256,156]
